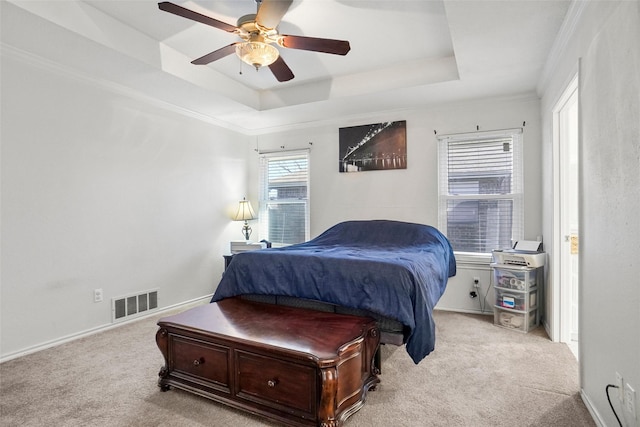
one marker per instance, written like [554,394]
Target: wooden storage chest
[297,366]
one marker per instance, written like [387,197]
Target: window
[284,197]
[480,177]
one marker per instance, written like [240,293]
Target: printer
[525,253]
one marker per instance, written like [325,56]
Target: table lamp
[245,213]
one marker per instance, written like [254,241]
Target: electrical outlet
[476,282]
[630,400]
[97,295]
[620,385]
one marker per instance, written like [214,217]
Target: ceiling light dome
[257,54]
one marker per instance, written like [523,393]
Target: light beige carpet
[479,375]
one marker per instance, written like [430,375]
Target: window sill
[473,258]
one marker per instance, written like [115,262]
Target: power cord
[610,404]
[483,301]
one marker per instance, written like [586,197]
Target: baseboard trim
[102,328]
[464,310]
[592,410]
[547,329]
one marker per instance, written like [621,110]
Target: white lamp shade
[245,211]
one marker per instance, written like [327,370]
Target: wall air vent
[133,305]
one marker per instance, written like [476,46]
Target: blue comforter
[396,269]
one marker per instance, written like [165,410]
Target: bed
[395,271]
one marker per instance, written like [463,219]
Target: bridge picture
[373,147]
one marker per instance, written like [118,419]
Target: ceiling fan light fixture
[257,54]
[259,32]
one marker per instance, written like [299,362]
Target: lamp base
[246,230]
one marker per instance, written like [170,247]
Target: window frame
[517,186]
[264,201]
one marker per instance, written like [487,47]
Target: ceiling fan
[259,32]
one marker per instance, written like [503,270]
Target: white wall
[606,43]
[412,194]
[103,190]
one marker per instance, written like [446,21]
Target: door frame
[557,271]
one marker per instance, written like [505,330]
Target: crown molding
[69,72]
[567,29]
[116,88]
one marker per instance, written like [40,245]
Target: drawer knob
[272,383]
[198,362]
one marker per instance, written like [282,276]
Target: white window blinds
[480,180]
[284,197]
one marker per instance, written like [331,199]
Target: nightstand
[227,260]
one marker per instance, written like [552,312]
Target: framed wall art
[377,146]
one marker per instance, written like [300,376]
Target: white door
[568,214]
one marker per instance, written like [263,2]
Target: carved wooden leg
[328,404]
[163,345]
[377,362]
[164,373]
[373,348]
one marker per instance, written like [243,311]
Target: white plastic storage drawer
[514,279]
[516,300]
[510,319]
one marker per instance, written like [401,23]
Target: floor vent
[126,307]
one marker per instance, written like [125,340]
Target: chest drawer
[206,361]
[276,383]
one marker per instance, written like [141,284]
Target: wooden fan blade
[271,12]
[215,55]
[195,16]
[336,47]
[281,70]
